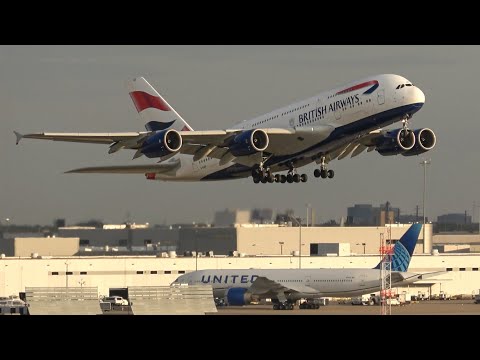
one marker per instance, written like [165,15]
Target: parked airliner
[331,125]
[285,286]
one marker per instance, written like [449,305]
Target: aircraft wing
[129,169]
[214,143]
[262,285]
[92,138]
[406,276]
[356,146]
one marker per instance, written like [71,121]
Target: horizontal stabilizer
[129,169]
[19,136]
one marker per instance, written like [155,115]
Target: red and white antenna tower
[386,251]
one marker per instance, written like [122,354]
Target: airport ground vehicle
[116,300]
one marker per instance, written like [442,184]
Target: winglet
[19,136]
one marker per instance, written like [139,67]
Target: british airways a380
[331,125]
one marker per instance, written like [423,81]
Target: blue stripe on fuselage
[363,125]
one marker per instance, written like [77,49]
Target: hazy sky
[82,88]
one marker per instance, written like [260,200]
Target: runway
[433,307]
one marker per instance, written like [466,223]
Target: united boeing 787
[285,286]
[331,125]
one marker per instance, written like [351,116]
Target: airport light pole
[299,241]
[474,207]
[424,163]
[66,276]
[363,246]
[196,251]
[308,211]
[81,282]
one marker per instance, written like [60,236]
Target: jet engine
[162,143]
[249,142]
[425,140]
[237,296]
[396,142]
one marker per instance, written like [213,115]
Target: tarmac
[428,307]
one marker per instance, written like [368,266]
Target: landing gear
[264,175]
[405,122]
[286,305]
[323,172]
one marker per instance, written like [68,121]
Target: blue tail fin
[403,250]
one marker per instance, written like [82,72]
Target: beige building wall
[266,240]
[462,275]
[440,239]
[43,246]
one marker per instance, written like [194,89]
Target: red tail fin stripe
[143,100]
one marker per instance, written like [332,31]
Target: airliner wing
[356,147]
[263,285]
[406,276]
[282,141]
[92,138]
[130,169]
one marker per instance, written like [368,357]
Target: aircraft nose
[418,95]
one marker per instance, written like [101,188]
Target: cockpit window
[401,86]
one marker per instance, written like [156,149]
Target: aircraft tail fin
[403,249]
[156,112]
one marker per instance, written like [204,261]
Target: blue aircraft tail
[403,249]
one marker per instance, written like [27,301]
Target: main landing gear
[323,172]
[286,305]
[264,175]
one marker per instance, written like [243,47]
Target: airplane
[331,125]
[286,286]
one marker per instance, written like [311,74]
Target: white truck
[366,299]
[116,300]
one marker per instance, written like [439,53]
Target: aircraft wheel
[323,174]
[296,178]
[256,180]
[264,180]
[304,177]
[289,178]
[316,173]
[275,306]
[283,179]
[270,178]
[330,173]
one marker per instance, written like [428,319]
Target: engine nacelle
[249,142]
[396,142]
[237,296]
[162,143]
[425,140]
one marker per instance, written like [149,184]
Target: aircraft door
[381,97]
[307,280]
[195,166]
[362,280]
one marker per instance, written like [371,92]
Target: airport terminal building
[42,262]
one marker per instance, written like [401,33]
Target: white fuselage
[345,106]
[327,282]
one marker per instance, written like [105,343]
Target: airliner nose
[418,95]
